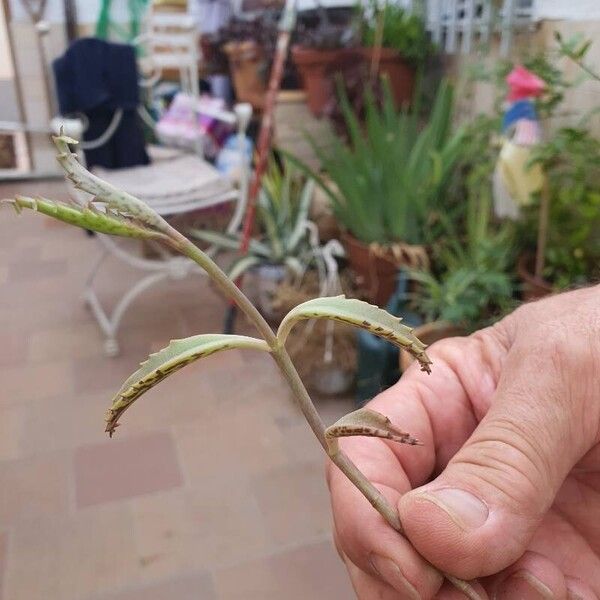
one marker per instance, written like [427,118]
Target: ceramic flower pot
[377,272]
[246,61]
[533,287]
[317,70]
[400,74]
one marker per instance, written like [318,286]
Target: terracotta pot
[246,61]
[429,333]
[400,74]
[533,287]
[317,69]
[378,273]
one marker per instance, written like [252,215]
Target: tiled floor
[213,486]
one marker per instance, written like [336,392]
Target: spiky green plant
[385,183]
[113,211]
[282,214]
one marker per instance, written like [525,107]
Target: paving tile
[3,557]
[33,487]
[22,383]
[73,557]
[118,469]
[14,346]
[23,270]
[183,530]
[234,444]
[310,571]
[197,586]
[294,502]
[12,425]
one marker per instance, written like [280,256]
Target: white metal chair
[174,183]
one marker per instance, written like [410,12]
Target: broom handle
[286,26]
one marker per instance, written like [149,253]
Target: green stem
[285,364]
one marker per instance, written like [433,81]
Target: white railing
[459,26]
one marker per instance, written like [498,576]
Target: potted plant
[395,43]
[571,251]
[248,46]
[320,51]
[473,282]
[283,247]
[386,182]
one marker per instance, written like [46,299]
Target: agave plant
[389,178]
[282,214]
[115,212]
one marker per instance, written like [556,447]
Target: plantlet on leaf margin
[112,211]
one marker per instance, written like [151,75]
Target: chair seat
[182,184]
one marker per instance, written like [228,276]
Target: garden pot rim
[527,276]
[311,54]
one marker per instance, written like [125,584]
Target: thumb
[479,515]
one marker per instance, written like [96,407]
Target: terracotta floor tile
[117,469]
[236,443]
[22,383]
[310,572]
[33,487]
[145,525]
[13,349]
[291,501]
[74,557]
[197,586]
[3,557]
[36,269]
[12,425]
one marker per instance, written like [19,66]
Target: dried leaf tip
[369,423]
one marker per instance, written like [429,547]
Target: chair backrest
[172,40]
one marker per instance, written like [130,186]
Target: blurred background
[439,158]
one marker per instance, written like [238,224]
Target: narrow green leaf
[176,355]
[228,241]
[85,217]
[360,314]
[241,265]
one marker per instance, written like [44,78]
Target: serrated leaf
[103,191]
[370,423]
[176,355]
[87,218]
[359,314]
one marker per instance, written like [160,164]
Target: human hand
[507,485]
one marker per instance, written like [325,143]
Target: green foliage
[572,160]
[474,281]
[282,214]
[389,179]
[403,30]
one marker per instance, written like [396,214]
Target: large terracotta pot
[317,69]
[378,272]
[246,61]
[533,287]
[400,74]
[429,333]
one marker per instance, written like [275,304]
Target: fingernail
[391,573]
[467,511]
[523,584]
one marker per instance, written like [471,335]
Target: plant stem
[285,364]
[283,360]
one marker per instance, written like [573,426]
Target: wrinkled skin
[507,485]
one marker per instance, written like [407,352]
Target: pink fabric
[523,84]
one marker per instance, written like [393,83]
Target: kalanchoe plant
[112,211]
